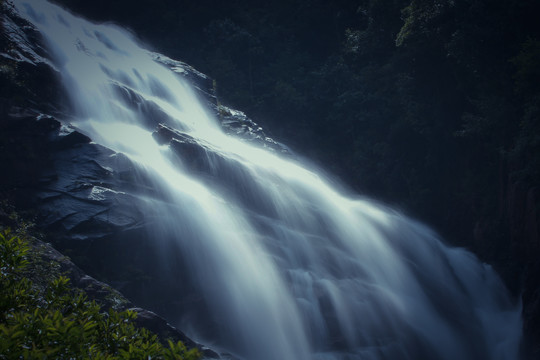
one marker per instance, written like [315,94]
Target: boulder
[237,123]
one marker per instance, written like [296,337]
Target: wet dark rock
[102,293]
[233,122]
[188,150]
[83,196]
[24,151]
[203,85]
[512,244]
[158,325]
[29,78]
[192,153]
[531,307]
[149,111]
[22,42]
[72,139]
[52,262]
[86,198]
[236,123]
[164,134]
[213,168]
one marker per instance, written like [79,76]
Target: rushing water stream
[289,268]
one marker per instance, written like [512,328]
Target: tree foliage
[428,104]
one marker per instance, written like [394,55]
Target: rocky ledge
[49,263]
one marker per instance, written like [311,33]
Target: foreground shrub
[57,321]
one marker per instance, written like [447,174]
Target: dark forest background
[432,106]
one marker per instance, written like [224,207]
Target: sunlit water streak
[289,267]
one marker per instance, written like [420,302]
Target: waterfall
[287,266]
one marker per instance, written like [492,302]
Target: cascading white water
[289,268]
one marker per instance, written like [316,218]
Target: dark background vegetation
[430,105]
[419,103]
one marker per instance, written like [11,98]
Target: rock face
[521,220]
[82,191]
[48,263]
[236,123]
[107,297]
[85,197]
[233,122]
[190,151]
